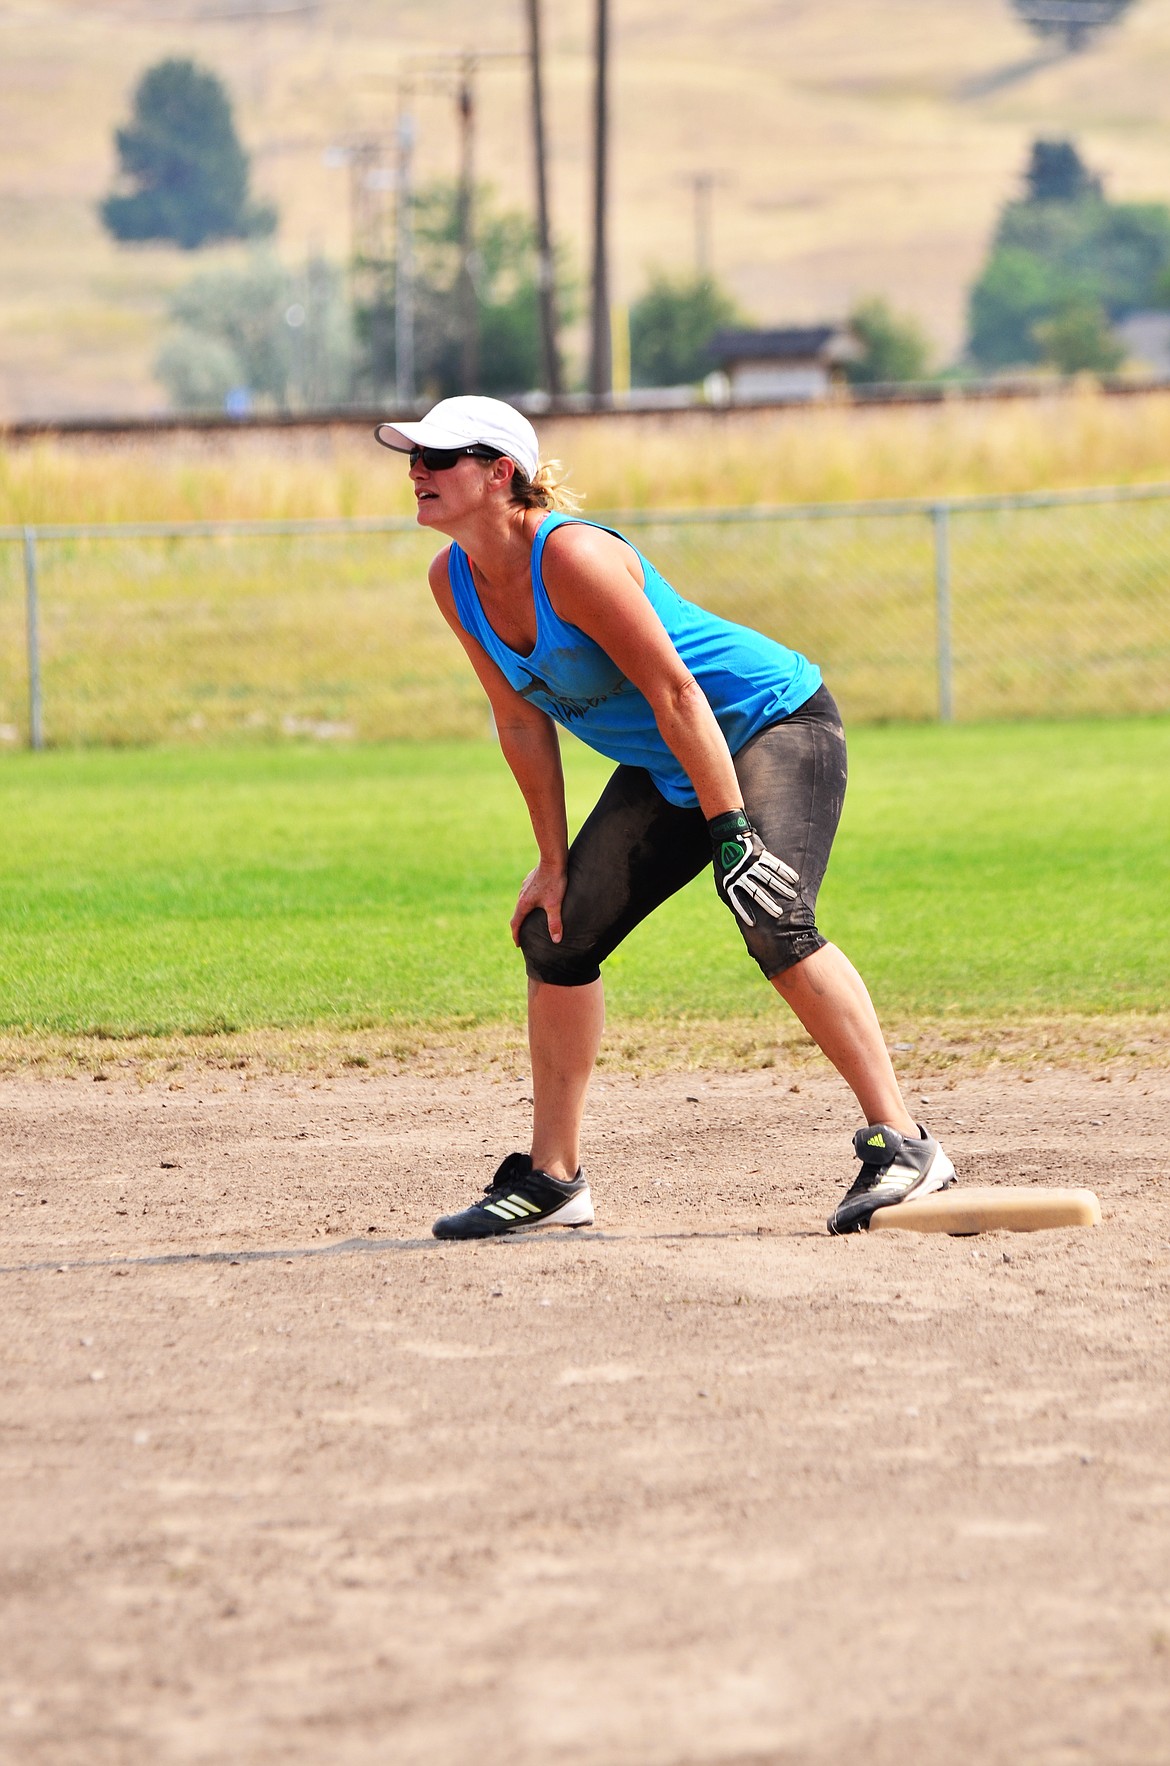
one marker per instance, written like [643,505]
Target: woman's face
[452,494]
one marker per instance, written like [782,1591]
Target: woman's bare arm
[594,581]
[529,742]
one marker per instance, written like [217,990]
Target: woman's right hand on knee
[544,887]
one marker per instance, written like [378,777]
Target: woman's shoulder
[569,542]
[583,565]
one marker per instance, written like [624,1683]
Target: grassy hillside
[860,149]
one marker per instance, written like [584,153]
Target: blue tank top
[749,680]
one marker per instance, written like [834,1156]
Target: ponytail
[546,489]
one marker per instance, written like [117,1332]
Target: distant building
[796,362]
[1146,337]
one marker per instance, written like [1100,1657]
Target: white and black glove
[746,872]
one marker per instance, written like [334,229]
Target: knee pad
[562,965]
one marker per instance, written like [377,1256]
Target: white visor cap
[468,422]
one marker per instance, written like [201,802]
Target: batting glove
[746,872]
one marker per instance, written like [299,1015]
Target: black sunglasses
[442,459]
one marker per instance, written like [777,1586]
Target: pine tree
[183,156]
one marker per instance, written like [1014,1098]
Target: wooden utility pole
[404,259]
[369,181]
[704,257]
[704,185]
[468,300]
[435,73]
[601,352]
[545,268]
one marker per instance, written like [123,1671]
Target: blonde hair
[546,489]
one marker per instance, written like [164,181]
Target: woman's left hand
[746,872]
[544,887]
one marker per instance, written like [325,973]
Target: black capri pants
[635,850]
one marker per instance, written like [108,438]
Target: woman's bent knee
[788,950]
[561,965]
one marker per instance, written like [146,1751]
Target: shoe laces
[515,1167]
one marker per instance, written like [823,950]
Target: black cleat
[520,1197]
[893,1169]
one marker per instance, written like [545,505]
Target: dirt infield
[283,1479]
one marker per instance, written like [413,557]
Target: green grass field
[984,871]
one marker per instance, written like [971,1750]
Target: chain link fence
[972,609]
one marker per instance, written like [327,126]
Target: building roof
[788,343]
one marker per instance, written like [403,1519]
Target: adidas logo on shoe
[894,1168]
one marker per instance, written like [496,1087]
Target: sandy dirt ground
[284,1479]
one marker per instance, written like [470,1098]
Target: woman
[730,753]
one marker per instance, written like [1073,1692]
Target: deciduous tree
[507,314]
[893,346]
[671,325]
[1064,245]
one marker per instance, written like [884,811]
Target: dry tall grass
[823,453]
[1060,612]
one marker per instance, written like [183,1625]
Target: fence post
[941,517]
[36,734]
